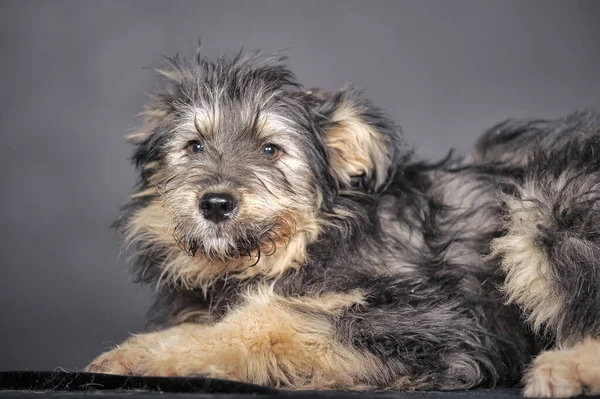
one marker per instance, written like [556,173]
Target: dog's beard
[233,240]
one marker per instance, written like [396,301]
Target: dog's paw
[125,360]
[171,353]
[134,358]
[565,373]
[111,362]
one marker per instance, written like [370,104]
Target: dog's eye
[271,150]
[195,146]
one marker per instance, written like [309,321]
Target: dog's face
[238,164]
[242,173]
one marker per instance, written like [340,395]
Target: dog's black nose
[217,206]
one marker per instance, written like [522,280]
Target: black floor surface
[62,385]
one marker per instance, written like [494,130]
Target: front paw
[121,360]
[167,355]
[136,357]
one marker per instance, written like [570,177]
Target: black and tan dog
[295,243]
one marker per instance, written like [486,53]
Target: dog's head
[239,166]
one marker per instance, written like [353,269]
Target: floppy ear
[156,113]
[160,104]
[364,145]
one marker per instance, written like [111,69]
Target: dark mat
[42,381]
[63,385]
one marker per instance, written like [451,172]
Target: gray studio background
[72,79]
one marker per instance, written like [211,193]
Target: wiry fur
[346,251]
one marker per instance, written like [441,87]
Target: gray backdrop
[72,80]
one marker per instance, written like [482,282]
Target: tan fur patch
[271,340]
[355,146]
[565,373]
[527,273]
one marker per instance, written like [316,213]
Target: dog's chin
[223,247]
[226,250]
[229,242]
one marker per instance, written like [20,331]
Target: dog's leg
[551,256]
[270,340]
[330,341]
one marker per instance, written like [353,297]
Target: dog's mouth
[233,242]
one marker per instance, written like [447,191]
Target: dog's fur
[348,265]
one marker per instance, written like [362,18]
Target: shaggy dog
[295,243]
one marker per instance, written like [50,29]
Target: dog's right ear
[364,145]
[148,140]
[155,115]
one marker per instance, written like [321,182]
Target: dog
[295,242]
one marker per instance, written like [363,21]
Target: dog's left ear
[364,145]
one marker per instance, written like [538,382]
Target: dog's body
[296,244]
